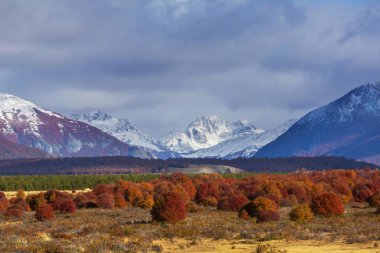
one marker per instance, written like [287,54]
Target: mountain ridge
[23,122]
[342,127]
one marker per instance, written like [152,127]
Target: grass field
[130,230]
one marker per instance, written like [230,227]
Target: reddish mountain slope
[25,123]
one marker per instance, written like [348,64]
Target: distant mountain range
[208,136]
[24,123]
[348,127]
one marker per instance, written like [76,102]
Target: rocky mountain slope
[208,136]
[23,122]
[349,127]
[122,129]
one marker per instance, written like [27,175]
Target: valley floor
[130,230]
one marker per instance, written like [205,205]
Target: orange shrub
[207,190]
[327,204]
[4,202]
[185,182]
[67,206]
[15,211]
[361,192]
[243,214]
[163,187]
[301,213]
[145,200]
[36,200]
[44,212]
[374,200]
[253,208]
[106,200]
[120,200]
[267,216]
[86,200]
[232,203]
[169,207]
[22,204]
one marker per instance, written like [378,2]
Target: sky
[163,63]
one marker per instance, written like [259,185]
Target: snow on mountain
[208,136]
[25,123]
[206,132]
[349,126]
[245,145]
[122,129]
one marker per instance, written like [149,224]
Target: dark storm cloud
[163,63]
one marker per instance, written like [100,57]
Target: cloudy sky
[163,63]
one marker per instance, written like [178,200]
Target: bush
[103,188]
[36,200]
[267,216]
[207,190]
[86,200]
[232,203]
[374,200]
[186,182]
[361,193]
[15,211]
[260,204]
[106,200]
[67,206]
[327,204]
[266,206]
[169,207]
[22,203]
[243,214]
[44,212]
[166,186]
[301,213]
[120,201]
[4,202]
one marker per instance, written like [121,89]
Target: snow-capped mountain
[245,145]
[122,129]
[25,123]
[349,126]
[207,132]
[208,136]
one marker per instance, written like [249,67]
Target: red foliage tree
[361,192]
[4,202]
[185,182]
[67,206]
[15,211]
[207,190]
[106,200]
[86,200]
[327,204]
[35,200]
[44,212]
[169,207]
[232,203]
[259,205]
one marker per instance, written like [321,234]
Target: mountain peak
[348,126]
[122,129]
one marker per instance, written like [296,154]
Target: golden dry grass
[130,230]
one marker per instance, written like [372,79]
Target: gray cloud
[163,63]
